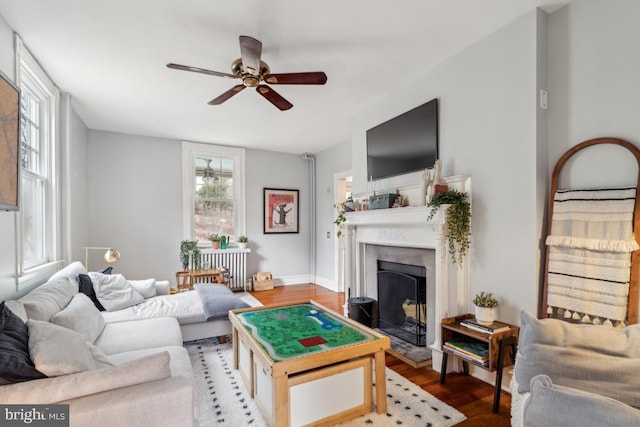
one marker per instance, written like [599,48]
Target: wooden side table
[502,350]
[216,276]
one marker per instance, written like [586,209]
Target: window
[36,227]
[213,192]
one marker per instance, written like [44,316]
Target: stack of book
[468,348]
[494,327]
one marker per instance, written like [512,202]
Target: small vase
[484,315]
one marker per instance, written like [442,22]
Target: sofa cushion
[580,356]
[81,316]
[552,405]
[49,298]
[114,291]
[186,307]
[56,350]
[180,361]
[15,361]
[132,335]
[146,287]
[152,367]
[70,271]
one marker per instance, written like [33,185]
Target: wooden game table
[306,364]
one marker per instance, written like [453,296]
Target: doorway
[342,190]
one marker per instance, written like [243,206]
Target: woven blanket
[590,245]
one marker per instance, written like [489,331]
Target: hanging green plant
[458,225]
[340,219]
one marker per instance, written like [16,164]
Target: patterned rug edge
[224,401]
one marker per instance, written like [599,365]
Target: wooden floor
[472,397]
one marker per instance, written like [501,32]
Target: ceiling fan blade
[273,97]
[228,94]
[311,78]
[250,51]
[200,70]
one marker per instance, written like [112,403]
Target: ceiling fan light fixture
[252,71]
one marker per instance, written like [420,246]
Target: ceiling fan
[255,73]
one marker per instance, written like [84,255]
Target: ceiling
[110,56]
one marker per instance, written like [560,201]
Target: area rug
[223,399]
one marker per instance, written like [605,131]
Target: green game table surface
[299,330]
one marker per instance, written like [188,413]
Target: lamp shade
[111,255]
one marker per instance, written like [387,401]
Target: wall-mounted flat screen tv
[9,144]
[406,143]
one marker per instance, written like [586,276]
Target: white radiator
[232,258]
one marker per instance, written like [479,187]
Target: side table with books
[491,347]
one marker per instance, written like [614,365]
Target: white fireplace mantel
[407,227]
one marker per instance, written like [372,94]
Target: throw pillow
[15,362]
[60,351]
[553,405]
[81,316]
[585,357]
[146,288]
[86,287]
[218,307]
[114,292]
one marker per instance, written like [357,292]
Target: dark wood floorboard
[472,397]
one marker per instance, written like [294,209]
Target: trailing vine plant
[340,219]
[458,225]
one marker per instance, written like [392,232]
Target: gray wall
[73,182]
[7,219]
[287,256]
[135,205]
[334,160]
[487,100]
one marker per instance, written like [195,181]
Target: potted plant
[485,304]
[458,225]
[215,240]
[189,248]
[242,242]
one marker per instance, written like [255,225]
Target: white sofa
[575,375]
[114,368]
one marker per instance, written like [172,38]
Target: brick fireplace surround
[404,235]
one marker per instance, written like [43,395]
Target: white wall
[487,101]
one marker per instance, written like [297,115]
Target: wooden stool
[183,279]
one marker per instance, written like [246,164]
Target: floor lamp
[111,255]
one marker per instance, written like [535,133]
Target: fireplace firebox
[402,301]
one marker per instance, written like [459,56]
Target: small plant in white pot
[485,304]
[242,242]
